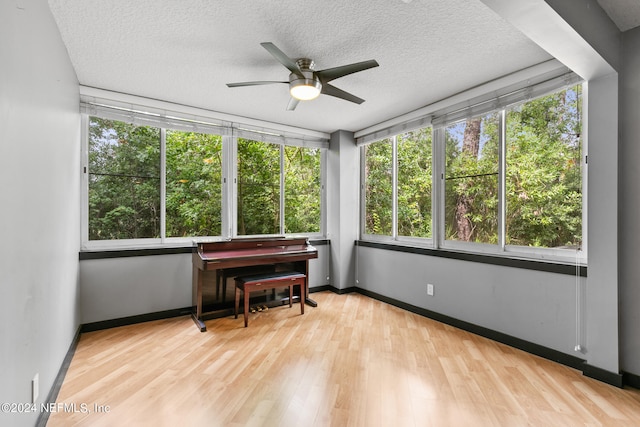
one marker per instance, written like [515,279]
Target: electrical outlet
[35,388]
[429,289]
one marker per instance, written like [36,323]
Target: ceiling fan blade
[328,89]
[293,103]
[282,58]
[265,82]
[333,73]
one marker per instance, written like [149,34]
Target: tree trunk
[470,148]
[471,141]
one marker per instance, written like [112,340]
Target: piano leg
[307,300]
[199,323]
[196,311]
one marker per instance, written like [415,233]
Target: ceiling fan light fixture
[305,83]
[305,89]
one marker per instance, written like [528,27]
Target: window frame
[438,241]
[229,185]
[282,196]
[457,244]
[394,237]
[363,196]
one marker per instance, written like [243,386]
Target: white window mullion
[282,189]
[229,186]
[394,188]
[84,165]
[437,206]
[584,161]
[502,181]
[363,184]
[323,192]
[163,184]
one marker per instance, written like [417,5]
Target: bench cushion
[270,277]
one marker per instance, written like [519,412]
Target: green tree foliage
[124,184]
[543,180]
[414,183]
[258,187]
[544,177]
[124,180]
[471,180]
[302,190]
[194,184]
[378,187]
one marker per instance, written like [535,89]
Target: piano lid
[256,252]
[251,242]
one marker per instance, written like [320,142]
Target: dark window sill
[123,253]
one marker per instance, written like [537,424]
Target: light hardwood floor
[351,361]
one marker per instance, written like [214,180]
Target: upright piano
[294,253]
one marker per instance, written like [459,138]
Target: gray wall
[629,177]
[553,310]
[534,306]
[113,288]
[538,307]
[39,193]
[601,348]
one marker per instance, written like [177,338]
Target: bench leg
[302,288]
[235,308]
[290,296]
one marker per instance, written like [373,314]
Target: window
[302,189]
[258,188]
[408,209]
[153,179]
[261,198]
[124,180]
[471,180]
[414,183]
[193,184]
[510,179]
[543,171]
[378,187]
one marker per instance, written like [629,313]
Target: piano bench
[223,274]
[248,284]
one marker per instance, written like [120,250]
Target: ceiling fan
[305,83]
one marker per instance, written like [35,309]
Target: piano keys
[295,253]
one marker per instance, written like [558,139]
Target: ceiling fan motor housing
[310,80]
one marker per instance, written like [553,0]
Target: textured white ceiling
[624,13]
[185,51]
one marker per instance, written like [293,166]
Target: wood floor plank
[351,361]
